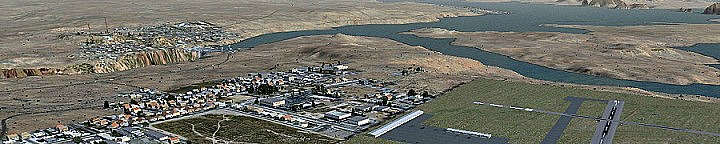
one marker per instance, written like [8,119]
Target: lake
[523,18]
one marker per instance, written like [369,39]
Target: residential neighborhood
[308,98]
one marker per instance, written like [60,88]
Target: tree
[384,101]
[320,90]
[106,104]
[77,139]
[257,101]
[426,94]
[171,97]
[132,101]
[418,69]
[114,133]
[250,89]
[411,92]
[266,89]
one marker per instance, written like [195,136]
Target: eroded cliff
[126,62]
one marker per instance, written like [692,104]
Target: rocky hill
[712,9]
[616,4]
[129,61]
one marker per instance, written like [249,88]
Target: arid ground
[30,34]
[31,29]
[696,5]
[374,57]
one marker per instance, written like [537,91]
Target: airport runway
[606,128]
[557,130]
[614,121]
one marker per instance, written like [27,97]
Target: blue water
[707,49]
[524,18]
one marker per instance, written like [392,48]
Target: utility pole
[88,33]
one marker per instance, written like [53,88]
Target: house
[25,135]
[94,140]
[272,102]
[132,131]
[255,109]
[123,139]
[61,127]
[359,120]
[341,67]
[135,110]
[12,136]
[288,118]
[303,123]
[363,108]
[39,133]
[381,108]
[174,140]
[337,115]
[114,125]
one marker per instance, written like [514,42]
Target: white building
[273,102]
[336,115]
[359,120]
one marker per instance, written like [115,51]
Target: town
[315,99]
[110,45]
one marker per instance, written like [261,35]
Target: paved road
[557,130]
[415,132]
[605,130]
[309,119]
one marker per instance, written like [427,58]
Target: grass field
[367,139]
[455,110]
[202,129]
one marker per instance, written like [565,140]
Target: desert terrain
[641,53]
[32,38]
[696,5]
[31,30]
[40,102]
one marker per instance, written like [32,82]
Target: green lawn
[367,139]
[640,134]
[239,129]
[455,110]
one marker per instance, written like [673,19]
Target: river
[523,18]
